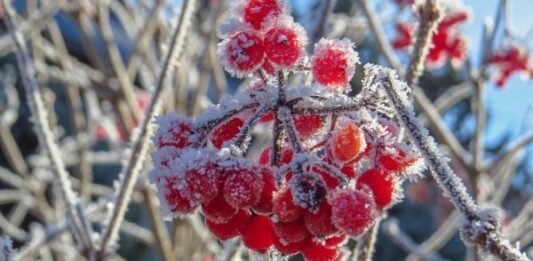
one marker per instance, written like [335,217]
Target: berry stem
[277,132]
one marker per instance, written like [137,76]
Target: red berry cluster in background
[330,172]
[511,60]
[447,42]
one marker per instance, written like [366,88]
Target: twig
[136,158]
[366,246]
[44,133]
[515,148]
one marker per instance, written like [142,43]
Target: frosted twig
[479,226]
[400,238]
[138,153]
[44,133]
[430,15]
[159,229]
[366,245]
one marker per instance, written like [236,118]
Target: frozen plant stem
[366,246]
[81,231]
[138,153]
[430,15]
[479,226]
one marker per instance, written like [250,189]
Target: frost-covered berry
[347,143]
[400,159]
[242,53]
[258,233]
[176,203]
[226,131]
[352,211]
[163,156]
[243,187]
[333,63]
[308,190]
[201,182]
[284,43]
[288,248]
[218,210]
[330,180]
[283,206]
[229,229]
[264,206]
[382,184]
[174,130]
[307,125]
[290,232]
[258,12]
[319,222]
[315,251]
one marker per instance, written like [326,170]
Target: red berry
[330,180]
[381,183]
[258,233]
[257,12]
[242,53]
[173,131]
[352,211]
[398,159]
[283,206]
[201,182]
[319,223]
[218,210]
[314,251]
[336,241]
[226,131]
[347,143]
[229,229]
[288,248]
[308,190]
[284,44]
[264,206]
[286,156]
[173,198]
[333,63]
[243,187]
[307,125]
[349,171]
[290,232]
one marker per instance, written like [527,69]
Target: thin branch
[366,245]
[44,133]
[517,146]
[136,158]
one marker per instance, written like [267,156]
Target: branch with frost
[81,231]
[391,228]
[480,226]
[366,245]
[139,150]
[430,15]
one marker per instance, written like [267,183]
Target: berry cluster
[335,164]
[447,41]
[511,60]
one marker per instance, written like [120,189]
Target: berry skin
[218,210]
[382,185]
[173,131]
[352,211]
[284,208]
[201,183]
[286,156]
[336,241]
[319,223]
[397,160]
[226,131]
[264,206]
[173,198]
[284,44]
[307,125]
[290,232]
[243,187]
[288,248]
[242,53]
[333,64]
[308,190]
[314,251]
[258,233]
[347,143]
[230,229]
[257,12]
